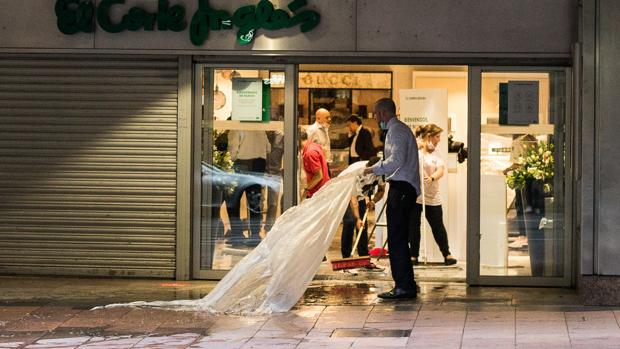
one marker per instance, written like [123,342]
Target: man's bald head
[323,116]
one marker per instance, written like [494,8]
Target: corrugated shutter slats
[88,166]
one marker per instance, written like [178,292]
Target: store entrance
[424,95]
[502,151]
[520,159]
[248,170]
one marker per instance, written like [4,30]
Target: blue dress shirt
[401,161]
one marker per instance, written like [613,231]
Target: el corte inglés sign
[76,16]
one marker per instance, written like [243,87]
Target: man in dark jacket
[360,141]
[360,148]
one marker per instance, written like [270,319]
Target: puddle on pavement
[344,294]
[346,332]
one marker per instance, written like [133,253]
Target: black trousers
[348,228]
[434,215]
[254,198]
[400,201]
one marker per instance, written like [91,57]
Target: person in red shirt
[315,165]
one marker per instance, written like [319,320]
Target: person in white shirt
[248,151]
[434,169]
[319,132]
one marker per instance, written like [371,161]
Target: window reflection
[242,164]
[521,213]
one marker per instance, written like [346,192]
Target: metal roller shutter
[88,166]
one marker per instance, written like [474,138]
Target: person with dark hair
[360,148]
[433,170]
[400,167]
[360,141]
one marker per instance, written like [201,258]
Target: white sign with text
[429,106]
[247,99]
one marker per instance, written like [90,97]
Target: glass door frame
[290,146]
[473,182]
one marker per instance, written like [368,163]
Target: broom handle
[422,220]
[359,232]
[423,214]
[382,249]
[372,231]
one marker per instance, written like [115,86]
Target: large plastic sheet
[274,276]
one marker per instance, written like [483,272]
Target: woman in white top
[434,169]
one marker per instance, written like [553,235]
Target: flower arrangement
[221,158]
[535,164]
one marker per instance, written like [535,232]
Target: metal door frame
[473,181]
[290,147]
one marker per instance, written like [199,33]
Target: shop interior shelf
[248,126]
[509,129]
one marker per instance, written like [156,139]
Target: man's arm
[355,209]
[397,155]
[316,179]
[377,197]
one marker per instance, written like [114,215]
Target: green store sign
[76,16]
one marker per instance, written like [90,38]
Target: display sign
[353,80]
[247,99]
[429,106]
[518,103]
[81,15]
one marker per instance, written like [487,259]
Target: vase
[533,210]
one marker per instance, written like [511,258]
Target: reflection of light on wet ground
[63,319]
[352,293]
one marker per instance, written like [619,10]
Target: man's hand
[368,170]
[359,224]
[371,205]
[373,160]
[428,180]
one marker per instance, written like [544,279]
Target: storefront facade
[104,127]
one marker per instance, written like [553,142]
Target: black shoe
[252,241]
[398,293]
[372,267]
[449,261]
[235,240]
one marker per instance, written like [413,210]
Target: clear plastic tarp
[274,276]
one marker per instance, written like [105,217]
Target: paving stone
[271,343]
[112,342]
[18,339]
[175,341]
[59,343]
[212,343]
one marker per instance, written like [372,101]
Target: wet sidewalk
[55,313]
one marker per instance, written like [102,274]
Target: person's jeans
[348,228]
[400,201]
[434,215]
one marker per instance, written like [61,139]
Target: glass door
[243,160]
[518,186]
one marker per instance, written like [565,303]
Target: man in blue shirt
[401,169]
